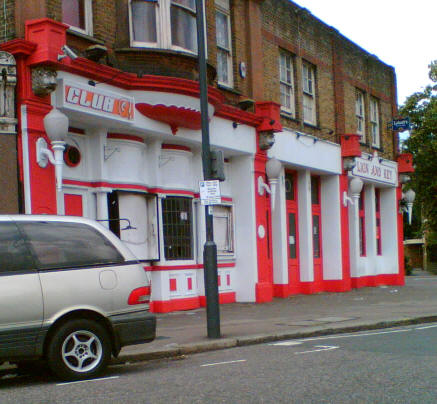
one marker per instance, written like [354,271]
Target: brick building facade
[273,69]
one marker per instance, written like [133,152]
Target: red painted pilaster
[264,286]
[345,251]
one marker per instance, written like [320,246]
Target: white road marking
[354,335]
[287,343]
[90,380]
[321,348]
[223,363]
[426,327]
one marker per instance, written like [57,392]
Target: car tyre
[79,349]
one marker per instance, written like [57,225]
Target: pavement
[183,333]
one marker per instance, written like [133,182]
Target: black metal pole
[210,248]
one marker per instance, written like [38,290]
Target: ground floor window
[177,221]
[223,229]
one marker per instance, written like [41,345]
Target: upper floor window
[286,82]
[360,115]
[223,38]
[167,24]
[78,14]
[374,122]
[309,93]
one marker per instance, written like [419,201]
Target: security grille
[178,228]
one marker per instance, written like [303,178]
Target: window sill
[289,115]
[229,89]
[312,126]
[82,35]
[141,49]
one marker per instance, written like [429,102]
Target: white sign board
[95,101]
[210,192]
[374,170]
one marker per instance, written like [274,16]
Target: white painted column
[306,260]
[152,162]
[331,227]
[102,205]
[354,235]
[243,194]
[160,279]
[280,235]
[370,214]
[389,232]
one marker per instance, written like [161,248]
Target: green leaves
[421,107]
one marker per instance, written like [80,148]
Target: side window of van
[58,245]
[14,255]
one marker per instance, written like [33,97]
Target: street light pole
[210,248]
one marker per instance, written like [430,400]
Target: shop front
[130,157]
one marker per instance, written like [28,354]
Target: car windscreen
[68,245]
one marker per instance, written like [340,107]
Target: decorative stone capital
[43,80]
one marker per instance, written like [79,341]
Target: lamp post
[210,248]
[56,127]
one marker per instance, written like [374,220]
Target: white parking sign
[210,192]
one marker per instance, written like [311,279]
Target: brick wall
[341,67]
[7,17]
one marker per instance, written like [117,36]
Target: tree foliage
[421,107]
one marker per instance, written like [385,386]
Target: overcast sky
[401,33]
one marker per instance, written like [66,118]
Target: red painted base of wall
[308,288]
[264,292]
[378,280]
[224,298]
[190,303]
[166,306]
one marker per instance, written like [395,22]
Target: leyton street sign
[401,124]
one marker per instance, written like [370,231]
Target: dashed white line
[87,381]
[223,363]
[321,348]
[426,327]
[287,343]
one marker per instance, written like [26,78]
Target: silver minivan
[71,293]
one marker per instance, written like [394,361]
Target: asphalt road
[387,366]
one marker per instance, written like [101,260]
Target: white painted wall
[302,151]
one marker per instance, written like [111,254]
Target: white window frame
[360,114]
[286,82]
[88,12]
[163,27]
[309,93]
[222,7]
[374,122]
[229,251]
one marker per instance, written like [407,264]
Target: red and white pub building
[324,217]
